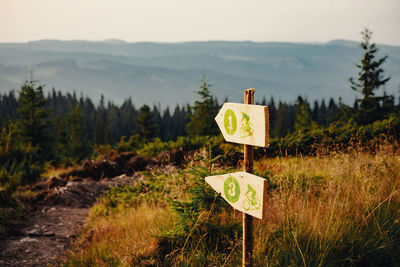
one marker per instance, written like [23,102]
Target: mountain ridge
[170,73]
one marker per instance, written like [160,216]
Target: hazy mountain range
[170,73]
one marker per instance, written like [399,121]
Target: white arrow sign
[244,124]
[243,191]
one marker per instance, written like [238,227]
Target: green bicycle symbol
[251,202]
[246,128]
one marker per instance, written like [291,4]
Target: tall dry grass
[122,239]
[341,209]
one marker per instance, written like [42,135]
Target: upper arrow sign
[244,124]
[243,191]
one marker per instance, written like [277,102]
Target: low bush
[206,232]
[338,136]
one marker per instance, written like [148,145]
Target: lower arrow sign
[242,190]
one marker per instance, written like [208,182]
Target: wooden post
[248,219]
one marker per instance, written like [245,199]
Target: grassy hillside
[341,209]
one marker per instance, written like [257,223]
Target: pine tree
[33,120]
[332,111]
[179,121]
[315,111]
[303,115]
[165,128]
[157,120]
[321,118]
[8,108]
[113,123]
[89,111]
[128,118]
[281,128]
[272,115]
[201,120]
[145,121]
[100,124]
[370,79]
[77,147]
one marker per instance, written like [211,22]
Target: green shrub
[156,146]
[19,162]
[133,144]
[337,136]
[206,231]
[117,199]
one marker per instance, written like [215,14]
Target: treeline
[73,126]
[106,123]
[103,123]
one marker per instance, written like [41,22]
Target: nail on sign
[242,190]
[244,124]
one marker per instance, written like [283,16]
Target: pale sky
[200,20]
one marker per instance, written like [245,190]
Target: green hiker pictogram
[231,189]
[246,128]
[251,202]
[230,121]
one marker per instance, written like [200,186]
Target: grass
[331,211]
[341,209]
[123,228]
[122,239]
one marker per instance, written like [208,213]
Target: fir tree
[303,115]
[33,120]
[78,147]
[315,111]
[272,115]
[201,120]
[145,121]
[113,123]
[370,79]
[100,126]
[321,118]
[281,128]
[332,111]
[128,118]
[165,128]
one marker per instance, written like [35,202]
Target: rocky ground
[47,237]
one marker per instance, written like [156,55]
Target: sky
[200,20]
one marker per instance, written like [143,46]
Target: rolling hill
[170,73]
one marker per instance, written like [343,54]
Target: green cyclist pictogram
[246,128]
[231,189]
[251,202]
[230,121]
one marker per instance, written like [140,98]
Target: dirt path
[53,223]
[46,238]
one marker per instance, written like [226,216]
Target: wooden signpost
[244,124]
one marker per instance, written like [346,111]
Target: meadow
[332,209]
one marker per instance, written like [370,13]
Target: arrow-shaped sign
[244,124]
[242,190]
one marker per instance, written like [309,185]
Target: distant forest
[106,123]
